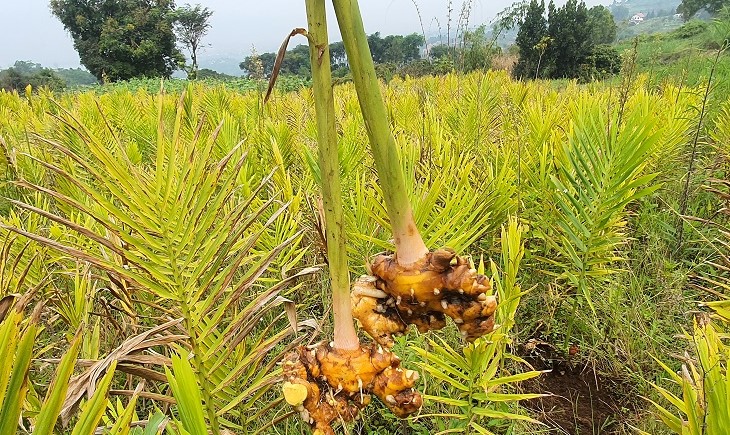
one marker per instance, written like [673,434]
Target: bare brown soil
[581,401]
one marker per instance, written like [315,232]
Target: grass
[683,55]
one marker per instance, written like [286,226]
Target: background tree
[122,39]
[258,66]
[296,62]
[23,73]
[571,34]
[377,47]
[400,50]
[603,27]
[391,53]
[206,73]
[191,25]
[620,12]
[478,50]
[440,51]
[690,7]
[532,31]
[338,55]
[76,76]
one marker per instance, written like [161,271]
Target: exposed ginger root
[422,294]
[326,384]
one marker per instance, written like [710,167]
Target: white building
[638,18]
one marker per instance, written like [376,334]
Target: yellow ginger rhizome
[439,285]
[326,384]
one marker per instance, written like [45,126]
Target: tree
[440,51]
[604,61]
[75,77]
[603,27]
[122,39]
[296,62]
[571,34]
[391,53]
[191,25]
[206,73]
[690,7]
[620,12]
[533,30]
[23,74]
[377,47]
[478,50]
[26,67]
[400,50]
[338,55]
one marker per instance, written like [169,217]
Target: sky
[30,32]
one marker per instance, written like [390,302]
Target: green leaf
[51,408]
[94,408]
[124,420]
[186,391]
[18,383]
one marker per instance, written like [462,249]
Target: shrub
[692,28]
[604,61]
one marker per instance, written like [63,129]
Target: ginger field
[162,252]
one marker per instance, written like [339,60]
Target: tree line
[393,55]
[397,50]
[24,73]
[123,39]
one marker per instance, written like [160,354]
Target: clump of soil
[581,401]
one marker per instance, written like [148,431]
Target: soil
[581,400]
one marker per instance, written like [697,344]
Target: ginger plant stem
[345,335]
[409,244]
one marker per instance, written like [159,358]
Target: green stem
[200,372]
[408,241]
[345,335]
[571,322]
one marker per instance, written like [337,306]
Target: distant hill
[646,6]
[70,77]
[656,16]
[225,63]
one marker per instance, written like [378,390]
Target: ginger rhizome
[423,294]
[326,384]
[329,383]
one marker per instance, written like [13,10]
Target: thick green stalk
[408,241]
[345,335]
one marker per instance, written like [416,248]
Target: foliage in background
[191,24]
[396,50]
[689,8]
[24,74]
[122,39]
[572,39]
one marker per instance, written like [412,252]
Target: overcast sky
[28,31]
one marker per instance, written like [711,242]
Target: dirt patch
[581,401]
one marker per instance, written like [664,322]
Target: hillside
[684,54]
[646,6]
